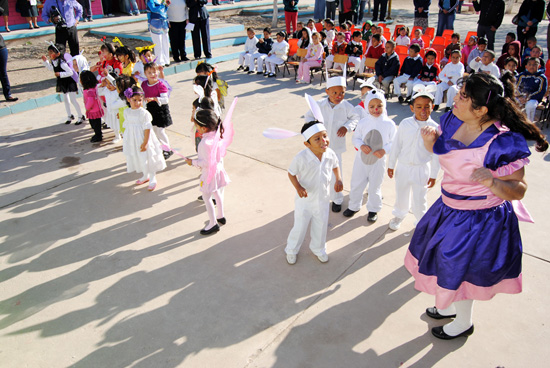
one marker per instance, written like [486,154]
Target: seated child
[277,55]
[417,39]
[417,168]
[403,38]
[536,52]
[338,48]
[249,50]
[533,84]
[454,45]
[313,58]
[326,49]
[331,34]
[531,42]
[450,74]
[511,65]
[304,41]
[366,32]
[485,64]
[311,25]
[478,51]
[429,74]
[310,173]
[510,36]
[339,118]
[469,47]
[264,47]
[514,49]
[345,30]
[373,138]
[387,67]
[376,49]
[299,28]
[412,65]
[354,49]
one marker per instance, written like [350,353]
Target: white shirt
[341,115]
[491,68]
[383,124]
[111,98]
[177,11]
[330,37]
[67,71]
[314,175]
[403,40]
[280,49]
[451,72]
[408,146]
[250,45]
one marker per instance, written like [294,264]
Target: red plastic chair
[396,30]
[319,27]
[430,31]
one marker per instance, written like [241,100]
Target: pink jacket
[94,108]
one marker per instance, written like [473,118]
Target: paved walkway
[95,272]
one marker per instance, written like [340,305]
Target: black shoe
[200,199]
[374,20]
[260,72]
[177,60]
[440,334]
[436,315]
[81,120]
[104,126]
[401,99]
[12,99]
[408,99]
[240,68]
[221,221]
[372,217]
[212,230]
[352,74]
[69,119]
[185,58]
[336,207]
[387,96]
[208,56]
[246,69]
[349,213]
[167,154]
[271,75]
[96,139]
[447,109]
[436,107]
[250,72]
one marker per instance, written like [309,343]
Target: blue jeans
[358,18]
[132,6]
[4,72]
[445,21]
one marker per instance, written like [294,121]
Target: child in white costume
[373,138]
[450,74]
[113,103]
[249,49]
[339,118]
[310,172]
[417,168]
[141,146]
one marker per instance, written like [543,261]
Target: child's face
[487,58]
[336,94]
[340,38]
[430,59]
[422,108]
[481,47]
[136,101]
[250,34]
[376,108]
[299,27]
[532,66]
[318,143]
[508,39]
[454,40]
[151,74]
[53,55]
[110,87]
[417,33]
[402,32]
[280,38]
[375,42]
[413,53]
[511,66]
[531,44]
[315,39]
[357,39]
[311,25]
[305,34]
[147,57]
[328,26]
[364,91]
[535,52]
[122,58]
[455,57]
[267,35]
[367,27]
[107,54]
[389,48]
[471,41]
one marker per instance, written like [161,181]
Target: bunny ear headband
[277,133]
[367,83]
[420,90]
[116,39]
[53,45]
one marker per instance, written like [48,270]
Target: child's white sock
[463,319]
[72,97]
[210,210]
[161,135]
[218,196]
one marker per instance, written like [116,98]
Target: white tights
[152,176]
[463,320]
[72,97]
[210,208]
[161,135]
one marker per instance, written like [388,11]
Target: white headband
[312,130]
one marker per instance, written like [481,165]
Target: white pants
[531,109]
[441,88]
[162,136]
[162,48]
[244,58]
[259,60]
[385,85]
[411,178]
[418,81]
[329,60]
[337,197]
[271,61]
[356,63]
[363,175]
[307,211]
[68,99]
[451,93]
[398,81]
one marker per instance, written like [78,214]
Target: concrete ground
[96,272]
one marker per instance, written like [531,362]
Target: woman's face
[462,107]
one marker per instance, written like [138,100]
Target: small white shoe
[323,258]
[116,140]
[395,223]
[291,258]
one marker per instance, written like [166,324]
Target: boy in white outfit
[249,50]
[417,168]
[310,173]
[485,64]
[339,117]
[450,74]
[373,138]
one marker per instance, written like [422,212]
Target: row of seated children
[263,55]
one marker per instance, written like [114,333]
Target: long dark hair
[209,120]
[88,79]
[122,84]
[201,80]
[124,50]
[486,90]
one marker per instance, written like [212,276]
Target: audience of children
[264,47]
[410,69]
[532,84]
[449,76]
[277,55]
[249,50]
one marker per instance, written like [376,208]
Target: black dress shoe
[96,139]
[12,99]
[436,315]
[185,58]
[372,217]
[336,207]
[440,334]
[167,154]
[349,213]
[240,67]
[222,221]
[212,230]
[259,72]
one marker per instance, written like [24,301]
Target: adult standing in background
[447,14]
[27,9]
[379,5]
[490,18]
[107,8]
[178,16]
[358,19]
[331,9]
[65,23]
[86,10]
[421,13]
[157,22]
[6,12]
[291,15]
[4,69]
[319,10]
[198,15]
[529,16]
[348,8]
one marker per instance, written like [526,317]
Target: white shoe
[116,140]
[395,223]
[323,258]
[291,258]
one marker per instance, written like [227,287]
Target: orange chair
[438,40]
[364,43]
[396,30]
[383,25]
[440,49]
[448,32]
[400,49]
[292,50]
[426,40]
[387,35]
[319,26]
[422,53]
[468,35]
[430,31]
[369,70]
[413,30]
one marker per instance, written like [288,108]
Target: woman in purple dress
[467,246]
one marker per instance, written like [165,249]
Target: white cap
[337,81]
[312,130]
